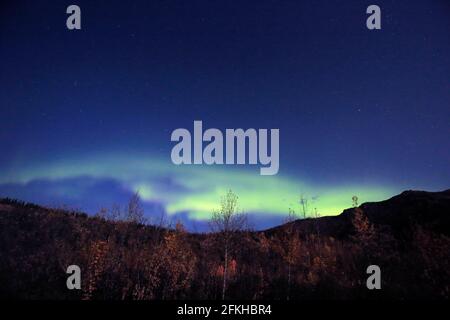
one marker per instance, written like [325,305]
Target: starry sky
[86,115]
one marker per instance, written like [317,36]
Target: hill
[327,257]
[427,209]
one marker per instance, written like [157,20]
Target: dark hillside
[407,236]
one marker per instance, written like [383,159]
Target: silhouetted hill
[327,257]
[428,209]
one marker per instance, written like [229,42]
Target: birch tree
[227,223]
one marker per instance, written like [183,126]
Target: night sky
[86,115]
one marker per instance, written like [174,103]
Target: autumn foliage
[124,259]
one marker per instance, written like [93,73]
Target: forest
[124,257]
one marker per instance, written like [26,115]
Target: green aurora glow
[199,188]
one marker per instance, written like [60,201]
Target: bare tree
[316,222]
[304,205]
[135,211]
[227,222]
[354,201]
[290,244]
[102,213]
[115,214]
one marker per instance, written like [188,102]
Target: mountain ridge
[409,204]
[406,235]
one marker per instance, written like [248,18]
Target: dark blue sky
[358,111]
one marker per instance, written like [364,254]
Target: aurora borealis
[86,115]
[195,190]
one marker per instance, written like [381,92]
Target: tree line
[122,256]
